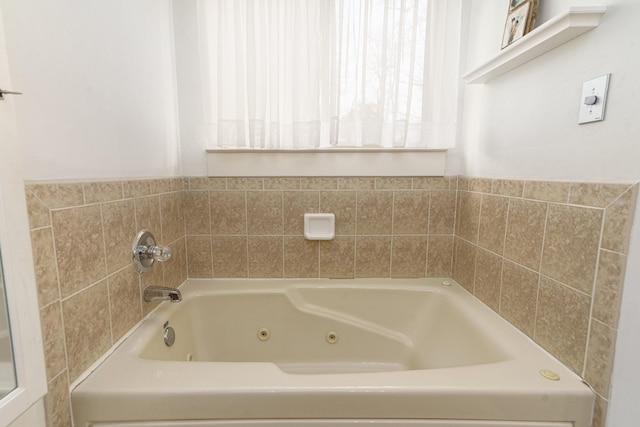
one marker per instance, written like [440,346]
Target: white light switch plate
[596,87]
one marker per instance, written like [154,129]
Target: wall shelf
[553,33]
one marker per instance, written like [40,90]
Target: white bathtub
[329,352]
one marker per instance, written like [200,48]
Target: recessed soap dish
[319,226]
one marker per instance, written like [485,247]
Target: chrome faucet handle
[145,251]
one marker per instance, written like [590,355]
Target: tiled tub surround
[88,291]
[550,258]
[563,292]
[385,227]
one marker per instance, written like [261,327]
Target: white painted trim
[326,162]
[17,264]
[548,36]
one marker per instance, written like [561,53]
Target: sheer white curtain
[295,74]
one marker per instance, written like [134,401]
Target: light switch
[593,99]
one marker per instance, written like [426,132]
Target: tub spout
[161,293]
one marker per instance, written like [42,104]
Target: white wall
[192,134]
[99,89]
[524,124]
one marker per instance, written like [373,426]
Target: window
[296,74]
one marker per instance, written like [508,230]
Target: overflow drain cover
[263,334]
[332,337]
[550,375]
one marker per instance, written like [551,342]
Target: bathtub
[313,353]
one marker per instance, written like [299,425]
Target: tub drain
[332,337]
[263,334]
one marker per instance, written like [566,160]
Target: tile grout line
[106,277]
[592,300]
[540,275]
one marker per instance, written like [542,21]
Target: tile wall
[550,257]
[88,291]
[385,227]
[547,256]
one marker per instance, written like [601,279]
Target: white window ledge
[326,162]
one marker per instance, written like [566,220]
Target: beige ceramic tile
[230,256]
[175,269]
[343,205]
[480,185]
[148,215]
[374,212]
[102,191]
[199,258]
[53,340]
[337,257]
[245,183]
[519,296]
[442,212]
[266,256]
[124,298]
[464,263]
[317,183]
[550,191]
[73,229]
[228,212]
[178,183]
[431,183]
[57,403]
[161,185]
[136,188]
[38,213]
[356,183]
[393,183]
[57,196]
[409,256]
[172,217]
[87,328]
[618,218]
[373,256]
[264,213]
[525,232]
[508,187]
[282,183]
[453,182]
[295,205]
[600,351]
[440,256]
[599,412]
[608,291]
[468,216]
[119,223]
[411,212]
[493,223]
[44,263]
[301,257]
[488,278]
[197,219]
[571,245]
[463,183]
[207,183]
[598,195]
[562,322]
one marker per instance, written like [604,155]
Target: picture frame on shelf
[521,17]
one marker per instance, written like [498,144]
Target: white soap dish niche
[319,226]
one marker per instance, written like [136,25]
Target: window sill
[326,162]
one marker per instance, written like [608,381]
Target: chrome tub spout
[161,293]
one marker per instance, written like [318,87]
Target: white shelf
[556,31]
